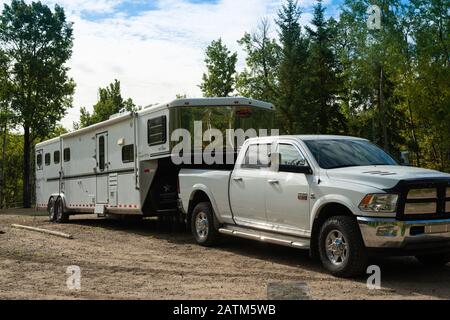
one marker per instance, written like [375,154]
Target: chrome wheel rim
[336,247]
[201,225]
[60,209]
[51,210]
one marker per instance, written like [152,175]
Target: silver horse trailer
[124,165]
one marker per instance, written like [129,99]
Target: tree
[427,87]
[219,81]
[5,116]
[323,78]
[292,102]
[371,61]
[259,78]
[37,42]
[110,102]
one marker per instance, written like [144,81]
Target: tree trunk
[383,112]
[413,131]
[26,167]
[3,174]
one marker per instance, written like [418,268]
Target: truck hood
[382,177]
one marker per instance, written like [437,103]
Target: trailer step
[263,236]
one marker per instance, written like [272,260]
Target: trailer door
[102,168]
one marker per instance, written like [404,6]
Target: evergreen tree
[323,79]
[292,102]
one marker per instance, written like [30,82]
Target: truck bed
[211,181]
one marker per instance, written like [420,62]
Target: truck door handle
[273,181]
[237,179]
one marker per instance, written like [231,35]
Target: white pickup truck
[342,198]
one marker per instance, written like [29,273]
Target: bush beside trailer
[123,165]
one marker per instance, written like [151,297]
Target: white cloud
[155,53]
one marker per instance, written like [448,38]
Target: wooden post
[54,233]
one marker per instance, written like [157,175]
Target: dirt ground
[148,260]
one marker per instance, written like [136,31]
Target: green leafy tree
[37,43]
[220,79]
[259,78]
[370,61]
[110,102]
[427,87]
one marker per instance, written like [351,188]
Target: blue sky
[156,47]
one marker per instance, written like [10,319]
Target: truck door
[247,186]
[287,192]
[102,168]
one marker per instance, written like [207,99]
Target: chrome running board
[263,236]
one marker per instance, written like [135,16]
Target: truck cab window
[156,131]
[39,161]
[66,154]
[47,159]
[257,156]
[128,153]
[56,157]
[289,156]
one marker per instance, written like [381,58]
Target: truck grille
[424,199]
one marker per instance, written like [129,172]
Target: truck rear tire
[434,259]
[202,225]
[341,248]
[61,215]
[51,209]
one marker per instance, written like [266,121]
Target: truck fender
[205,189]
[331,198]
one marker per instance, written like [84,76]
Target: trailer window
[128,153]
[101,153]
[56,157]
[47,159]
[39,161]
[156,131]
[66,154]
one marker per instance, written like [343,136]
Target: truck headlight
[383,202]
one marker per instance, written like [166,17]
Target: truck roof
[311,137]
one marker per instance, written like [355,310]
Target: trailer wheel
[51,209]
[202,225]
[341,247]
[61,215]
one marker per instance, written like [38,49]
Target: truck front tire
[202,225]
[341,248]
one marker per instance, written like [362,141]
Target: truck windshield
[340,153]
